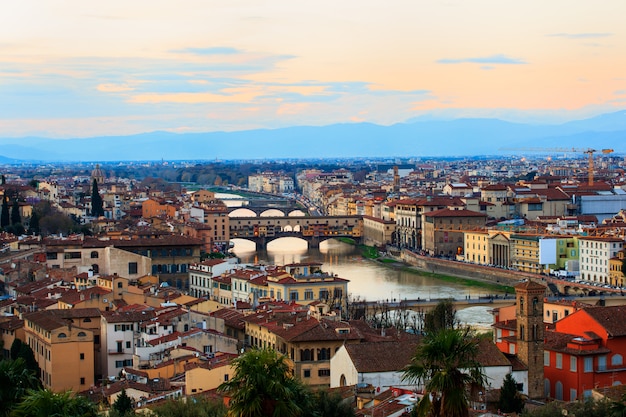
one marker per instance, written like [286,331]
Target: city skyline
[119,68]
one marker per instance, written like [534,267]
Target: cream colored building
[377,232]
[97,260]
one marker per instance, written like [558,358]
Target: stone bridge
[314,230]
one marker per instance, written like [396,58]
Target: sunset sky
[77,68]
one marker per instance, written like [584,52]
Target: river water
[369,280]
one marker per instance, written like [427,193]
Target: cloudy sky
[76,68]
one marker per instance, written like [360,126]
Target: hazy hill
[461,137]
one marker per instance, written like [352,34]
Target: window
[82,381]
[293,295]
[225,377]
[93,254]
[559,361]
[120,284]
[546,358]
[62,335]
[82,356]
[127,345]
[602,363]
[323,372]
[307,373]
[572,363]
[71,255]
[132,268]
[572,394]
[617,359]
[82,334]
[588,364]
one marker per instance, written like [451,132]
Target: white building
[201,275]
[595,253]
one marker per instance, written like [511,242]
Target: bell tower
[530,328]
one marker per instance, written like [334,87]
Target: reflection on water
[369,280]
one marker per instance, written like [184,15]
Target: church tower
[530,328]
[396,179]
[97,175]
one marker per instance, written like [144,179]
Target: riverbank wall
[463,270]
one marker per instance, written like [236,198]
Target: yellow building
[525,253]
[63,350]
[206,376]
[616,269]
[489,247]
[306,283]
[11,328]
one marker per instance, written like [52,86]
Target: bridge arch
[243,245]
[296,213]
[296,228]
[295,243]
[242,212]
[272,213]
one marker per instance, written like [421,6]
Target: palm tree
[15,380]
[263,385]
[445,364]
[45,403]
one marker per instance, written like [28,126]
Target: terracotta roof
[446,212]
[381,356]
[530,285]
[610,318]
[490,355]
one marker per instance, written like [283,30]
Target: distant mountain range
[460,137]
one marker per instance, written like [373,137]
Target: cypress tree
[15,213]
[33,227]
[4,215]
[97,209]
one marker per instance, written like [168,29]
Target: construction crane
[588,151]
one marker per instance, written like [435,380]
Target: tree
[45,403]
[15,348]
[262,385]
[33,226]
[123,404]
[618,408]
[4,214]
[192,407]
[97,209]
[443,316]
[15,213]
[15,380]
[510,400]
[446,364]
[331,405]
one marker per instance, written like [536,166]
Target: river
[369,280]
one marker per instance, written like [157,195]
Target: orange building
[153,208]
[64,348]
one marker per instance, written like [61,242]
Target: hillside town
[125,286]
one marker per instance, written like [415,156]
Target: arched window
[535,304]
[546,388]
[617,359]
[95,268]
[82,334]
[521,304]
[342,381]
[558,388]
[62,335]
[521,332]
[94,254]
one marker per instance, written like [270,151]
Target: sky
[76,68]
